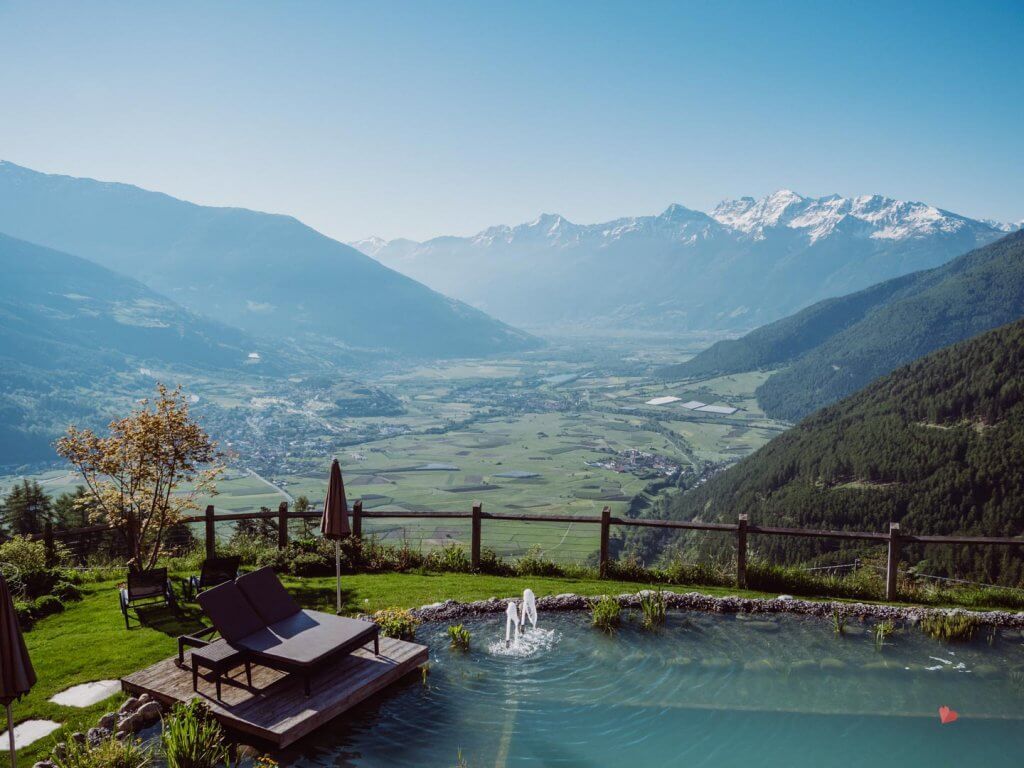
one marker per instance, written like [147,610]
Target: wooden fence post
[48,542]
[357,519]
[474,548]
[211,533]
[741,552]
[282,525]
[602,561]
[892,562]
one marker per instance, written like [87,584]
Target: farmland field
[534,436]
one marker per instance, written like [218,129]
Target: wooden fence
[894,538]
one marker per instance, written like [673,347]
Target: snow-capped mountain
[887,219]
[746,263]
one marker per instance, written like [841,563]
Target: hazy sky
[442,118]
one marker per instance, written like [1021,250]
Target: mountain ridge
[836,346]
[268,274]
[686,270]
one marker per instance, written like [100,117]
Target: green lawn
[89,642]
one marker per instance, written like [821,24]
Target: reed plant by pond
[950,627]
[107,753]
[883,631]
[839,621]
[652,607]
[192,738]
[606,614]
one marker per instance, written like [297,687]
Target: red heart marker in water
[947,715]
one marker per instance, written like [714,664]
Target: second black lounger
[255,613]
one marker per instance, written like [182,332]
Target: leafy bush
[397,623]
[865,584]
[47,605]
[606,614]
[652,606]
[459,637]
[450,557]
[24,554]
[25,614]
[66,592]
[192,738]
[494,565]
[628,568]
[950,627]
[108,753]
[678,572]
[533,563]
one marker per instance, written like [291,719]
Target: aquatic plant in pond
[606,614]
[458,637]
[883,631]
[652,608]
[950,627]
[839,621]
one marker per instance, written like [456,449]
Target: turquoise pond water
[707,690]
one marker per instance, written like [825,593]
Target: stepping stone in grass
[28,732]
[87,694]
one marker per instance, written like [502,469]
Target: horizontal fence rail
[894,538]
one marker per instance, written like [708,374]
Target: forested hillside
[937,445]
[839,345]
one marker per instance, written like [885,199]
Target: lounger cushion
[230,612]
[267,595]
[307,637]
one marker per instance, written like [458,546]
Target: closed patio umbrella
[334,523]
[16,673]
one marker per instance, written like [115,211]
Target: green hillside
[267,274]
[937,445]
[838,346]
[68,325]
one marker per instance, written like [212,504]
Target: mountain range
[837,346]
[937,445]
[746,263]
[268,275]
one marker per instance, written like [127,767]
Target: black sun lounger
[256,614]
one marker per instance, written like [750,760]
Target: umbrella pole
[337,569]
[10,735]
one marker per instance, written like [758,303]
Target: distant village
[638,462]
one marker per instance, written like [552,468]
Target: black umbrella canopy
[334,523]
[16,674]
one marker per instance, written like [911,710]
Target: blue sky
[442,118]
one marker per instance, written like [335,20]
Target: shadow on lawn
[182,620]
[323,597]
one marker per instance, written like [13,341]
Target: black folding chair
[150,587]
[214,571]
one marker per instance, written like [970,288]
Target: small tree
[134,476]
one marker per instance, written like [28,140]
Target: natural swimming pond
[705,690]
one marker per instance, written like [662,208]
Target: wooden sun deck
[275,709]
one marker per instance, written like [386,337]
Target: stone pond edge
[451,610]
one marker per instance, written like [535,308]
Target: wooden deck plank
[276,709]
